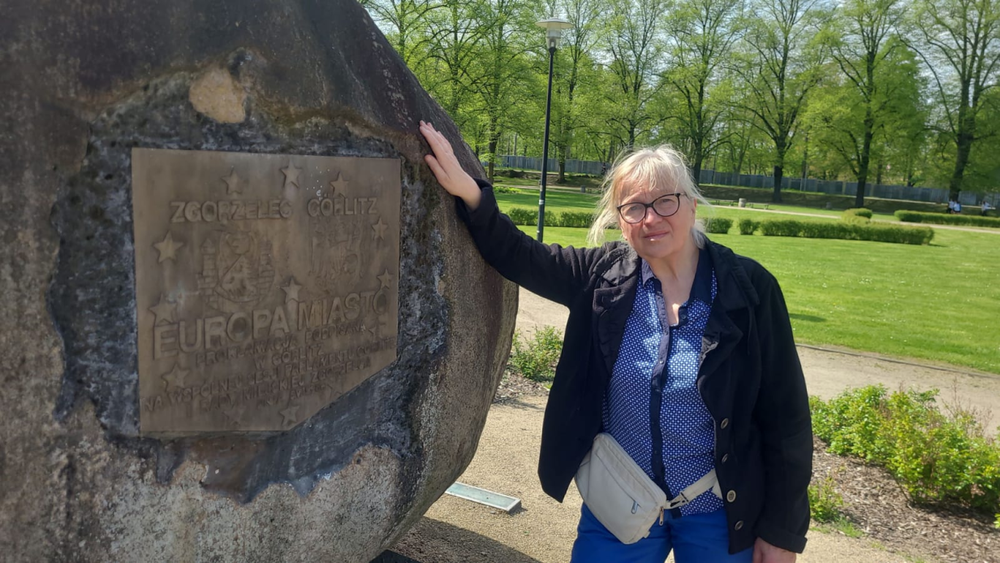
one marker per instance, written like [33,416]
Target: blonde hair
[648,167]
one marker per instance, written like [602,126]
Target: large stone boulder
[84,473]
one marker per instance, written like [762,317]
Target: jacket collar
[731,275]
[621,271]
[622,264]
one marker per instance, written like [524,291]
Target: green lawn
[939,302]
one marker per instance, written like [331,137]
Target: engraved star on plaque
[291,290]
[340,184]
[289,415]
[232,183]
[164,311]
[168,248]
[378,230]
[291,173]
[384,279]
[175,378]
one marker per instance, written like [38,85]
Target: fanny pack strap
[694,490]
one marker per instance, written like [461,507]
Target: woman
[678,349]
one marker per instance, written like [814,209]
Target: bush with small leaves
[718,225]
[847,231]
[536,358]
[857,212]
[942,219]
[936,457]
[824,501]
[575,219]
[748,226]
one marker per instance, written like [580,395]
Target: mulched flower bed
[513,386]
[877,505]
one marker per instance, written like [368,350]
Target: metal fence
[833,187]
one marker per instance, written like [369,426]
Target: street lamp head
[554,28]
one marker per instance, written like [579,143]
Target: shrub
[718,225]
[847,231]
[748,226]
[935,457]
[505,190]
[857,212]
[536,358]
[575,219]
[942,219]
[824,501]
[780,228]
[523,216]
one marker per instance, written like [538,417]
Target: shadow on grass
[432,541]
[807,318]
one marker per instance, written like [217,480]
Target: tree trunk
[964,146]
[778,174]
[866,154]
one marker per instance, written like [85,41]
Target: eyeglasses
[664,206]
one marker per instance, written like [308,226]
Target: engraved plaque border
[266,285]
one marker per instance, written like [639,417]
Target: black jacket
[750,378]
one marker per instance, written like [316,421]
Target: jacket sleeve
[553,272]
[782,413]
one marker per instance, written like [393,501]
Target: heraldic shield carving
[266,285]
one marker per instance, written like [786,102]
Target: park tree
[959,42]
[500,72]
[634,49]
[452,42]
[574,71]
[863,41]
[404,24]
[702,34]
[781,66]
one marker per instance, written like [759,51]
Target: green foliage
[858,212]
[846,231]
[575,219]
[523,216]
[718,225]
[748,226]
[505,190]
[536,358]
[942,219]
[936,457]
[824,501]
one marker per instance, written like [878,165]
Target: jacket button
[724,423]
[731,496]
[725,458]
[738,526]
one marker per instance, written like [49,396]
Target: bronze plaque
[266,285]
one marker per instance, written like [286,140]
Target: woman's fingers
[439,173]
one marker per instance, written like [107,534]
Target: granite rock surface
[83,82]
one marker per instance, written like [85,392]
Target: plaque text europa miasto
[266,285]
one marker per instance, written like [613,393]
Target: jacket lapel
[613,298]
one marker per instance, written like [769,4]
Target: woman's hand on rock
[446,168]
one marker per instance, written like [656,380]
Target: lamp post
[554,28]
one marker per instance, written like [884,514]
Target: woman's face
[654,236]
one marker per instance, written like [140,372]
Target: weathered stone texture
[82,83]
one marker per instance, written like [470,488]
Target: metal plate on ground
[266,285]
[482,496]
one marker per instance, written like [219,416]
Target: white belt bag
[622,497]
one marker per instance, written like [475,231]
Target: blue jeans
[698,538]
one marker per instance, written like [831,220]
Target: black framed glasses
[664,206]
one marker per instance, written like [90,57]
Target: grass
[939,302]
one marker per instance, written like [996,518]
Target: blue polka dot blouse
[652,407]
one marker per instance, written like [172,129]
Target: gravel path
[455,530]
